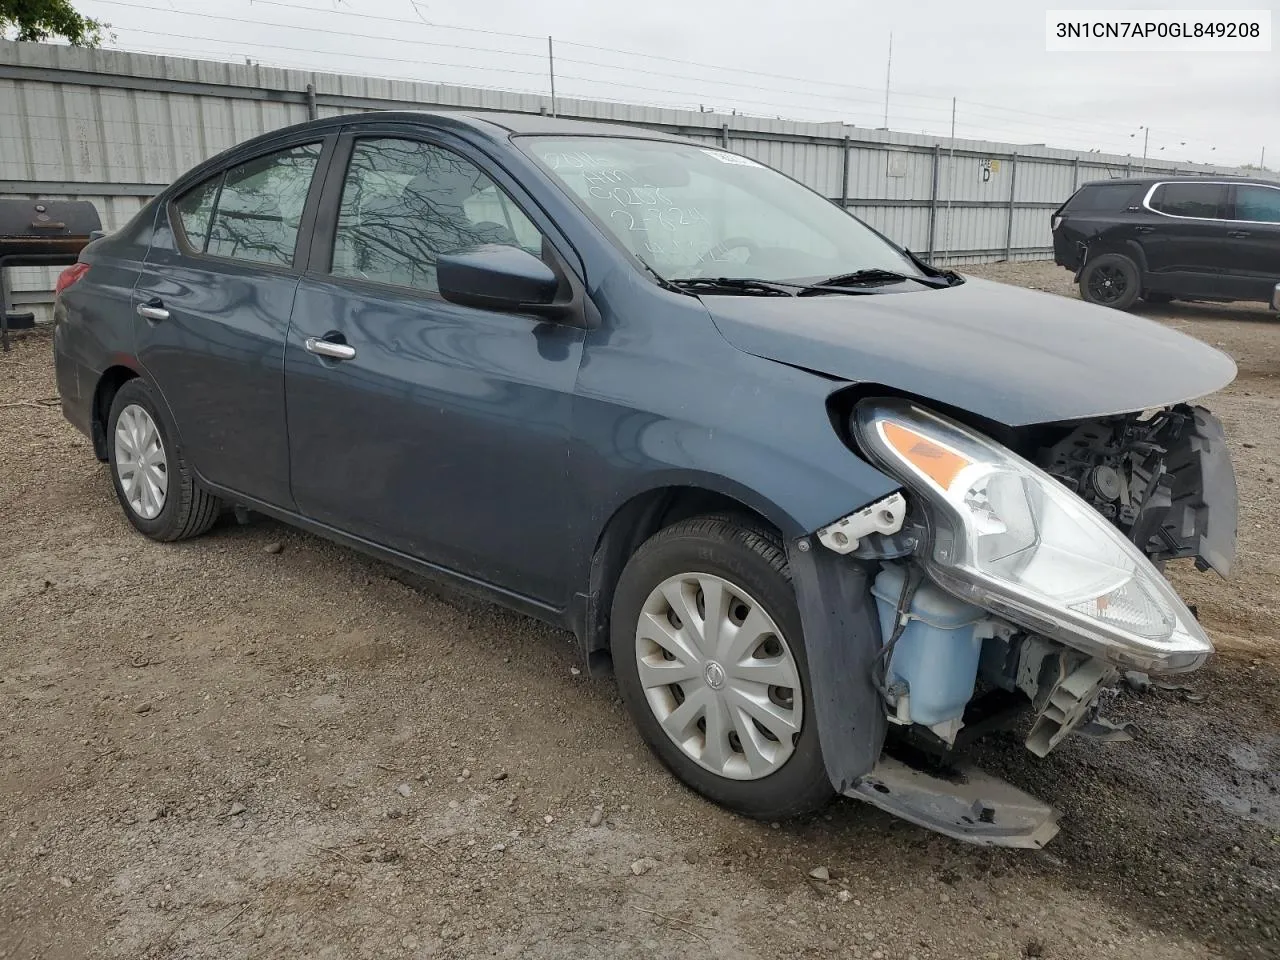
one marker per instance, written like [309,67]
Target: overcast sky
[727,54]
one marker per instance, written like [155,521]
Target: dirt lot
[257,744]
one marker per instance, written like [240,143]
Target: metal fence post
[313,111]
[1075,175]
[724,135]
[4,309]
[844,178]
[1013,185]
[933,199]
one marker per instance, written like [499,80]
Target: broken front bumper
[963,803]
[1199,516]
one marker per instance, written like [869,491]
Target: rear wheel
[151,478]
[1110,280]
[710,661]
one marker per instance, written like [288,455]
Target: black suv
[1171,238]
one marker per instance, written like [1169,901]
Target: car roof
[1179,178]
[492,125]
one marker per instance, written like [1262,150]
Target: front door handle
[1238,233]
[1143,229]
[153,311]
[327,348]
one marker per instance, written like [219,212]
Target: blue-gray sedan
[828,513]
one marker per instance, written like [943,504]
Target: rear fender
[1097,246]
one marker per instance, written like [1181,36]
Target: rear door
[1188,248]
[1255,233]
[214,299]
[441,431]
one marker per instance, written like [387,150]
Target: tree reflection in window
[260,207]
[405,203]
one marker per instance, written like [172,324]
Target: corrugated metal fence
[116,127]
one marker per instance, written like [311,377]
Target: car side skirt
[436,574]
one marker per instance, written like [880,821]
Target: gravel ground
[257,744]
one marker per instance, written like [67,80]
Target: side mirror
[497,277]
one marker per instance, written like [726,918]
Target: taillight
[1057,222]
[69,276]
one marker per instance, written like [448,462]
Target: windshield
[689,211]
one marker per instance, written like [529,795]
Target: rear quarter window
[1102,198]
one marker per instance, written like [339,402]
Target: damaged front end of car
[1012,582]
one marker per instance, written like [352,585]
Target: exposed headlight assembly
[1009,537]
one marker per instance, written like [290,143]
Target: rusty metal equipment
[41,233]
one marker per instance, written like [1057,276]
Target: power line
[540,40]
[1093,127]
[539,56]
[1094,132]
[690,97]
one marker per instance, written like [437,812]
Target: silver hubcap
[719,676]
[140,462]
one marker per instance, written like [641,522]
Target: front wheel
[710,660]
[1111,280]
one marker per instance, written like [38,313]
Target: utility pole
[551,66]
[888,72]
[1146,136]
[1262,160]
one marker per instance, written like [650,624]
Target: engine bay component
[883,517]
[934,662]
[1158,478]
[1067,695]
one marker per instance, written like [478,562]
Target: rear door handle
[1238,233]
[1144,229]
[153,311]
[327,348]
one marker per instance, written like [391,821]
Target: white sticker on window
[731,158]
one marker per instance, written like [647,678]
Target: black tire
[753,560]
[1111,280]
[188,510]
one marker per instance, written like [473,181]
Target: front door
[438,430]
[1255,231]
[1188,247]
[213,303]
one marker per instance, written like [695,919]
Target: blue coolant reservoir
[937,654]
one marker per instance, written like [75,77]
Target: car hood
[1011,355]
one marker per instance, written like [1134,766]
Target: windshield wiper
[741,285]
[952,278]
[870,277]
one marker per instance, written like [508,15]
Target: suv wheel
[710,661]
[150,475]
[1110,280]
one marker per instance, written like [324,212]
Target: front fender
[841,638]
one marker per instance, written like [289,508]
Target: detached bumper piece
[965,804]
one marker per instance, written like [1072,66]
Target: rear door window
[1204,201]
[259,209]
[195,212]
[1257,204]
